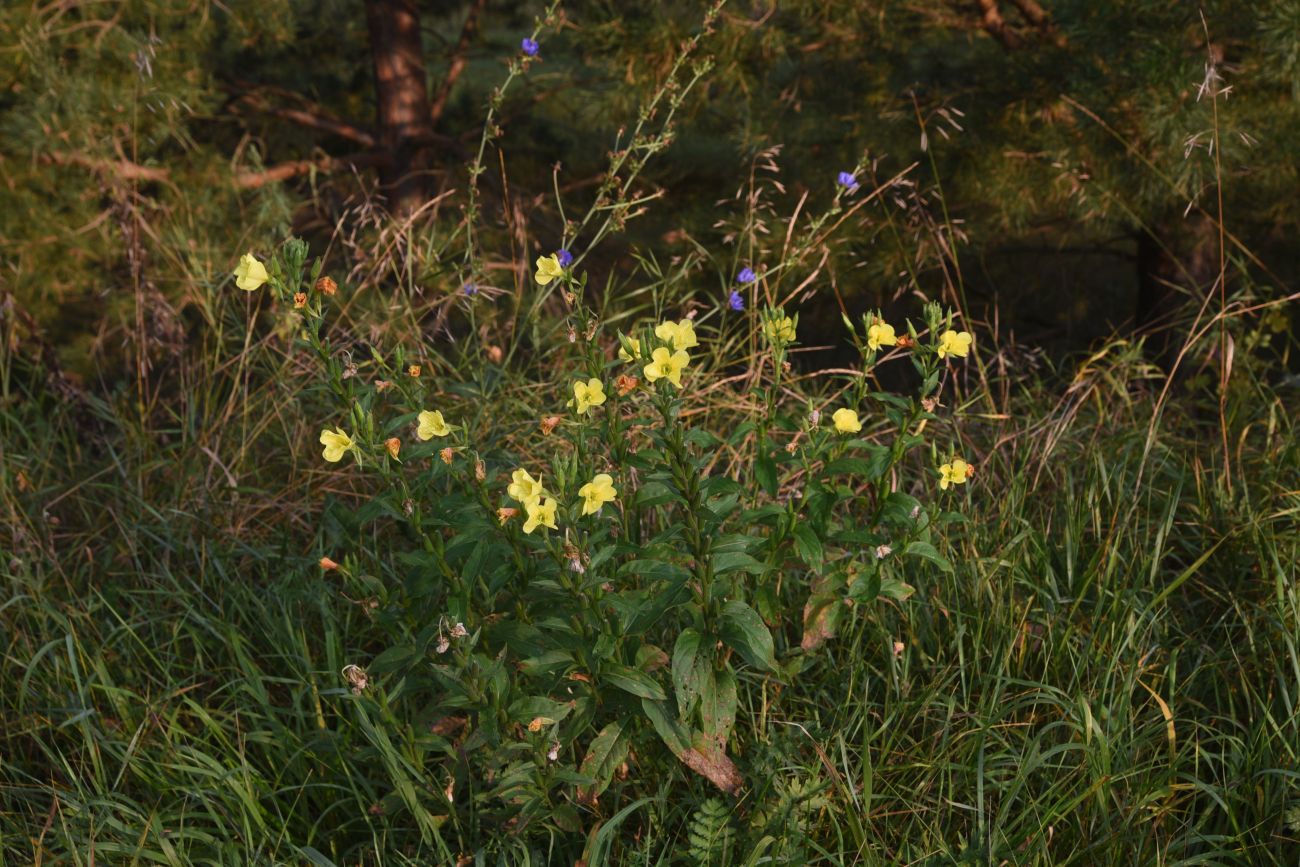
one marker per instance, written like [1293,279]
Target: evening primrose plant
[617,576]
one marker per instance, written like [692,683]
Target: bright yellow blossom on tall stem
[596,493]
[954,343]
[541,513]
[846,420]
[880,334]
[548,268]
[664,364]
[432,424]
[587,394]
[336,443]
[954,473]
[250,274]
[679,335]
[524,488]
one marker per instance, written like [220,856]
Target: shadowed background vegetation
[1109,676]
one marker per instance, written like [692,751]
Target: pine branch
[127,170]
[315,118]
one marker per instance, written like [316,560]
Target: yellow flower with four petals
[596,493]
[548,268]
[954,343]
[432,424]
[846,420]
[955,473]
[524,488]
[880,334]
[587,394]
[680,335]
[336,443]
[541,513]
[667,365]
[250,274]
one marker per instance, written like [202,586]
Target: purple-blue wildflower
[746,275]
[529,46]
[565,258]
[469,289]
[848,180]
[735,301]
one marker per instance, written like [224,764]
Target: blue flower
[735,301]
[848,181]
[469,289]
[746,275]
[565,257]
[529,46]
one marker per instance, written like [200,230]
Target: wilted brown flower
[413,371]
[326,286]
[480,471]
[299,300]
[625,384]
[495,354]
[327,564]
[382,385]
[447,454]
[535,725]
[549,423]
[394,445]
[905,341]
[356,677]
[506,513]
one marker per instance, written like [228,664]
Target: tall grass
[1109,676]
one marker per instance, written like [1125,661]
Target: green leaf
[810,547]
[718,706]
[605,753]
[736,561]
[765,473]
[871,467]
[895,589]
[631,680]
[673,733]
[744,631]
[692,660]
[926,551]
[528,708]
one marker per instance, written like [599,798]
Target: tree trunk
[402,97]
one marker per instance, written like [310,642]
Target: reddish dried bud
[905,341]
[394,445]
[495,354]
[549,423]
[447,454]
[326,286]
[382,385]
[413,371]
[625,384]
[480,471]
[327,564]
[299,300]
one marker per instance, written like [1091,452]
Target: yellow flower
[780,330]
[250,274]
[524,487]
[548,268]
[336,444]
[541,513]
[587,394]
[846,420]
[636,350]
[596,493]
[664,363]
[680,335]
[954,343]
[432,424]
[955,473]
[881,334]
